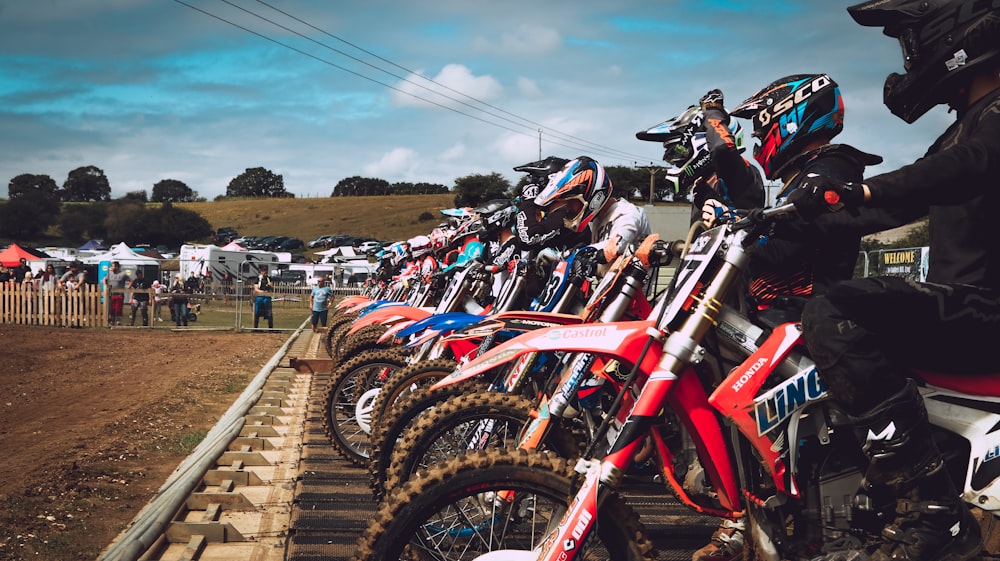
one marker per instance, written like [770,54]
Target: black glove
[713,100]
[819,194]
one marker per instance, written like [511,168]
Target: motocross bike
[462,417]
[769,440]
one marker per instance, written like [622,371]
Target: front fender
[449,321]
[352,301]
[621,340]
[389,313]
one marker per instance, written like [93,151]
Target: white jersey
[620,218]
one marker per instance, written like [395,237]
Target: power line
[580,143]
[535,124]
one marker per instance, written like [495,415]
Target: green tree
[174,226]
[257,182]
[358,186]
[173,191]
[28,216]
[33,206]
[139,196]
[28,182]
[475,189]
[128,221]
[79,222]
[86,184]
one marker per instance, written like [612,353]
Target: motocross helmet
[538,174]
[583,186]
[420,246]
[399,253]
[942,40]
[788,114]
[686,146]
[496,215]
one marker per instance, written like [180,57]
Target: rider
[583,190]
[797,259]
[703,148]
[867,334]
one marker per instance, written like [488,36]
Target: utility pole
[539,144]
[652,179]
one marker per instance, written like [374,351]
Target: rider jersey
[960,176]
[620,218]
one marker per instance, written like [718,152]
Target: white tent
[123,254]
[345,251]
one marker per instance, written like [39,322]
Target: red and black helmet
[790,113]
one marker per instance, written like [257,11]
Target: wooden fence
[89,305]
[84,306]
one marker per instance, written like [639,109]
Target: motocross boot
[931,521]
[726,543]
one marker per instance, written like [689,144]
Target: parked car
[320,241]
[290,244]
[368,246]
[225,235]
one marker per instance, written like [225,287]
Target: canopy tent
[347,252]
[129,260]
[93,245]
[11,256]
[123,254]
[233,246]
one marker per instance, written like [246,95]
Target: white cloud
[453,153]
[396,162]
[528,87]
[527,39]
[452,78]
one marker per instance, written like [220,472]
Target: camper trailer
[199,259]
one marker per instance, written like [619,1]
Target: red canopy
[11,256]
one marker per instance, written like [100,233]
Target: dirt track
[93,421]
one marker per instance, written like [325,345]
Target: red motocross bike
[770,443]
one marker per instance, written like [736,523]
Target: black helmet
[496,214]
[538,174]
[941,41]
[790,113]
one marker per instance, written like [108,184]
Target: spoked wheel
[489,501]
[398,418]
[405,381]
[349,398]
[479,421]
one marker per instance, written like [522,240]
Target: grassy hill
[388,218]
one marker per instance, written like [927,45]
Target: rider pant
[867,335]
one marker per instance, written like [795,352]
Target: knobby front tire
[485,501]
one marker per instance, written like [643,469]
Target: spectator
[115,281]
[227,285]
[179,301]
[74,275]
[48,279]
[192,283]
[319,303]
[262,299]
[158,289]
[20,270]
[5,275]
[140,298]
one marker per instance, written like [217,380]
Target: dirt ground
[93,421]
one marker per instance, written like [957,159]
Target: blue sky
[155,89]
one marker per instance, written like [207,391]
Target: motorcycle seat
[987,385]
